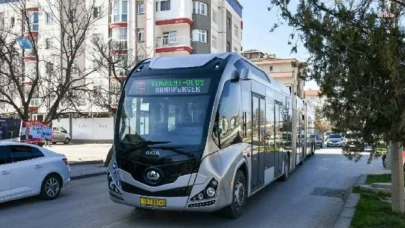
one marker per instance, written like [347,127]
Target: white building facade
[138,28]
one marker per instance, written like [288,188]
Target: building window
[163,5]
[271,68]
[96,12]
[140,35]
[214,16]
[200,8]
[49,18]
[200,35]
[228,23]
[49,68]
[48,43]
[141,7]
[72,15]
[228,46]
[12,22]
[119,41]
[214,41]
[34,25]
[120,9]
[236,30]
[167,39]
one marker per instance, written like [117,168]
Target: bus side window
[227,126]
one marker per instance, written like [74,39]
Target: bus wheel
[235,210]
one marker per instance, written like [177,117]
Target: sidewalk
[347,213]
[82,152]
[84,170]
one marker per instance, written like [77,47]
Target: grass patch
[371,212]
[383,178]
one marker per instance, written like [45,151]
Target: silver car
[60,134]
[334,140]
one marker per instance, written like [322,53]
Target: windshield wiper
[174,149]
[141,144]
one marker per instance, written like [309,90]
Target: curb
[347,212]
[88,175]
[101,162]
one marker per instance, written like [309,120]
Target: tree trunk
[397,178]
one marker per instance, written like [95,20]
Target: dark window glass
[36,153]
[227,129]
[241,63]
[4,155]
[165,5]
[23,153]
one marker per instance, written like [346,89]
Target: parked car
[29,170]
[60,134]
[352,142]
[334,140]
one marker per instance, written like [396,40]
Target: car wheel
[67,140]
[235,210]
[51,186]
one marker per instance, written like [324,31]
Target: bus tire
[239,195]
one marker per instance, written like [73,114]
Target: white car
[29,170]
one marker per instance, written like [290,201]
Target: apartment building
[312,96]
[137,28]
[282,70]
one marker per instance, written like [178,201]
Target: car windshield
[335,136]
[163,119]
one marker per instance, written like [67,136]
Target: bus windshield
[166,114]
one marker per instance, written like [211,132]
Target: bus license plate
[153,202]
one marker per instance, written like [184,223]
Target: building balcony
[118,24]
[173,44]
[34,32]
[35,102]
[118,47]
[30,55]
[179,12]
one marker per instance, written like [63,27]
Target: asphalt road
[310,198]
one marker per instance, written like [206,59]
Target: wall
[88,129]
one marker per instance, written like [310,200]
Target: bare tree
[113,61]
[61,51]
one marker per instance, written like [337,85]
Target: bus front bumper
[168,203]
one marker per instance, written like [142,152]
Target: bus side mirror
[245,74]
[235,76]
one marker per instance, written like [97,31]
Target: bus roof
[185,61]
[201,60]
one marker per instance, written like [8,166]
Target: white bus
[202,133]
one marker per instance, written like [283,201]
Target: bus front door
[258,141]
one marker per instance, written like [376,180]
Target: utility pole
[395,149]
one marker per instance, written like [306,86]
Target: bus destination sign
[171,86]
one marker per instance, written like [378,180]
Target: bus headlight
[208,193]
